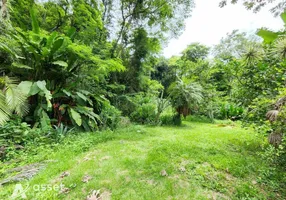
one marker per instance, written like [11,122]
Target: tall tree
[195,52]
[156,16]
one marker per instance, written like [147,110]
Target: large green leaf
[48,95]
[34,89]
[25,87]
[21,66]
[56,46]
[267,35]
[67,93]
[5,48]
[35,23]
[83,97]
[29,89]
[283,17]
[45,120]
[42,85]
[71,32]
[76,116]
[60,63]
[51,39]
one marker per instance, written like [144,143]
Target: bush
[171,119]
[144,114]
[177,120]
[110,116]
[230,111]
[16,135]
[140,108]
[167,119]
[124,122]
[16,132]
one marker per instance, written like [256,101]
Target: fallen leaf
[150,182]
[86,159]
[86,178]
[164,173]
[182,169]
[105,158]
[95,195]
[64,174]
[64,190]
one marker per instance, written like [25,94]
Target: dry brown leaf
[86,178]
[164,173]
[64,190]
[94,195]
[105,158]
[150,182]
[86,159]
[182,169]
[64,174]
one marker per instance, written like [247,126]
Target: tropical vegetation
[74,74]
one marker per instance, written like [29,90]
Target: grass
[196,161]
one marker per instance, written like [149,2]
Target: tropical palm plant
[280,48]
[184,94]
[252,55]
[277,120]
[12,99]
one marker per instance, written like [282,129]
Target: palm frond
[275,138]
[4,111]
[272,115]
[11,99]
[252,55]
[280,48]
[15,99]
[184,94]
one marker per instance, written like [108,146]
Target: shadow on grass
[199,119]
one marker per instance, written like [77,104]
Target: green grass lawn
[195,161]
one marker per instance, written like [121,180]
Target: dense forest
[72,67]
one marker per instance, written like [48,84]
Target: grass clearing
[195,161]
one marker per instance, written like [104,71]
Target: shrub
[177,120]
[230,111]
[144,114]
[171,119]
[140,108]
[124,122]
[15,131]
[110,116]
[15,134]
[167,119]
